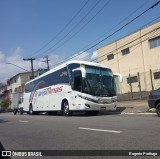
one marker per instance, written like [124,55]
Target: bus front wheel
[65,109]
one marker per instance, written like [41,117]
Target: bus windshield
[99,82]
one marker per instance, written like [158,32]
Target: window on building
[155,42]
[31,77]
[132,79]
[125,51]
[110,57]
[15,89]
[156,75]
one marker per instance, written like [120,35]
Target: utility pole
[30,59]
[47,61]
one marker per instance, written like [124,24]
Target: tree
[5,104]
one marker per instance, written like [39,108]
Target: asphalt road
[79,132]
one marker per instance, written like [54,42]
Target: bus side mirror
[118,76]
[82,70]
[117,79]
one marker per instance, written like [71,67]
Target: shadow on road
[3,121]
[82,114]
[118,111]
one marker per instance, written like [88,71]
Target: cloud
[55,59]
[94,56]
[15,64]
[81,56]
[18,65]
[16,55]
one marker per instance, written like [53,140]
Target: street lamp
[16,66]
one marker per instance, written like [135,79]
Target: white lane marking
[112,131]
[22,121]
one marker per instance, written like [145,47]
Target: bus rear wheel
[65,109]
[31,112]
[21,111]
[15,111]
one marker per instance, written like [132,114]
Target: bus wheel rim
[66,109]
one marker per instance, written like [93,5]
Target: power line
[131,51]
[154,30]
[118,23]
[47,61]
[61,31]
[154,5]
[17,66]
[119,47]
[74,27]
[109,30]
[130,47]
[67,40]
[31,60]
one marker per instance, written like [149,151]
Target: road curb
[138,113]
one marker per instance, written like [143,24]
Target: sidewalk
[134,106]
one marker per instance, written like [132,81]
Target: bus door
[77,89]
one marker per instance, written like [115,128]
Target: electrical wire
[67,40]
[142,5]
[154,5]
[133,44]
[74,27]
[128,43]
[61,31]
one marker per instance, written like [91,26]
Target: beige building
[16,83]
[137,58]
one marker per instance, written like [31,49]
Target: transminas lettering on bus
[48,91]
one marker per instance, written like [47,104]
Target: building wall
[141,58]
[16,83]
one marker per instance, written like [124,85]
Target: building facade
[137,58]
[16,83]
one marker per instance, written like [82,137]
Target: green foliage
[5,104]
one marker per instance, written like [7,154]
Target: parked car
[154,100]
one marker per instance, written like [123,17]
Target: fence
[137,86]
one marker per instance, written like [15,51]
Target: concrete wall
[141,58]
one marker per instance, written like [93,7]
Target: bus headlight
[89,99]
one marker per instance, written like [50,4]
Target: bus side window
[77,81]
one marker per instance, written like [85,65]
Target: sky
[62,29]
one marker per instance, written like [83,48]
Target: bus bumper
[93,106]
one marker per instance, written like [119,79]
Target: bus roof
[67,63]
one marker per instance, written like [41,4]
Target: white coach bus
[72,86]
